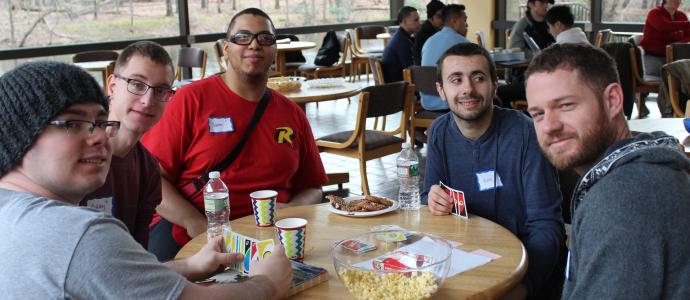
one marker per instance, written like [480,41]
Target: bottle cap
[214,174]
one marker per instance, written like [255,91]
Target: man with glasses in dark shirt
[139,90]
[206,121]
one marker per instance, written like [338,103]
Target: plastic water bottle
[217,205]
[408,175]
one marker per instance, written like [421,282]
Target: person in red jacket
[665,25]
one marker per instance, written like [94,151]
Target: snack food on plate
[368,203]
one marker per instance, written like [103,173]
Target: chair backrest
[481,38]
[508,37]
[603,36]
[376,71]
[191,58]
[218,49]
[345,48]
[673,86]
[98,55]
[386,99]
[677,51]
[423,78]
[367,33]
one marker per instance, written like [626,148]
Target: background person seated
[561,22]
[399,53]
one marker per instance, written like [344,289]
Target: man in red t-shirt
[206,120]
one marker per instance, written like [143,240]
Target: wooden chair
[220,58]
[359,58]
[364,144]
[377,73]
[191,58]
[481,39]
[99,55]
[677,51]
[673,86]
[338,69]
[424,81]
[603,36]
[642,84]
[508,37]
[359,54]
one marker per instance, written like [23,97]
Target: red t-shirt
[660,30]
[204,122]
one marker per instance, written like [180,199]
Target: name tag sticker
[486,179]
[220,125]
[101,204]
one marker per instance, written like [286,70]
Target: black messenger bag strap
[192,187]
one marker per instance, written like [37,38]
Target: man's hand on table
[439,201]
[210,259]
[277,269]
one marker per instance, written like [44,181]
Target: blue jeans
[161,242]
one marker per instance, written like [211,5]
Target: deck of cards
[252,249]
[358,246]
[458,197]
[394,233]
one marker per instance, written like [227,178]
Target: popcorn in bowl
[392,269]
[285,83]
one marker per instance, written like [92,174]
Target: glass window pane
[615,11]
[208,16]
[580,8]
[54,22]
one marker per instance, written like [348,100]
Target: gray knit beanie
[31,95]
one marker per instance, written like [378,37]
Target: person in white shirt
[560,20]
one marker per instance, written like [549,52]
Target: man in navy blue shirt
[492,155]
[399,53]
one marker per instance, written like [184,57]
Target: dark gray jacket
[630,224]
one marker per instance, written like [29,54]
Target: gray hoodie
[630,224]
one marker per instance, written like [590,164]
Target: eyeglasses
[79,127]
[246,38]
[140,88]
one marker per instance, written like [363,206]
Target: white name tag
[486,180]
[101,204]
[220,125]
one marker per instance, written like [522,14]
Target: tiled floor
[333,116]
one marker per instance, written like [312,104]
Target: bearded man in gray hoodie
[630,207]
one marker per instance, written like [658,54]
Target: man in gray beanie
[55,149]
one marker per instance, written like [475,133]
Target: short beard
[474,116]
[593,145]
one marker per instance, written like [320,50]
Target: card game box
[401,260]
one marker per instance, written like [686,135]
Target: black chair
[191,58]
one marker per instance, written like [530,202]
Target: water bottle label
[214,204]
[408,171]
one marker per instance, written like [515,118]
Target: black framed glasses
[139,88]
[264,38]
[80,127]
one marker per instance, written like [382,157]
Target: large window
[208,16]
[630,11]
[580,8]
[33,23]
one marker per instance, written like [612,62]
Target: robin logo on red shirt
[283,135]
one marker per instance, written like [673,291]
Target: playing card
[459,203]
[251,248]
[358,246]
[400,234]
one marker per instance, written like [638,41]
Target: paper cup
[264,205]
[292,233]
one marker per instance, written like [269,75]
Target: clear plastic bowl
[414,268]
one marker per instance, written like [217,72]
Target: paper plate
[334,210]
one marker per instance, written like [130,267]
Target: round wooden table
[291,46]
[325,228]
[308,94]
[672,126]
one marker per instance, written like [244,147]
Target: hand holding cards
[252,249]
[458,198]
